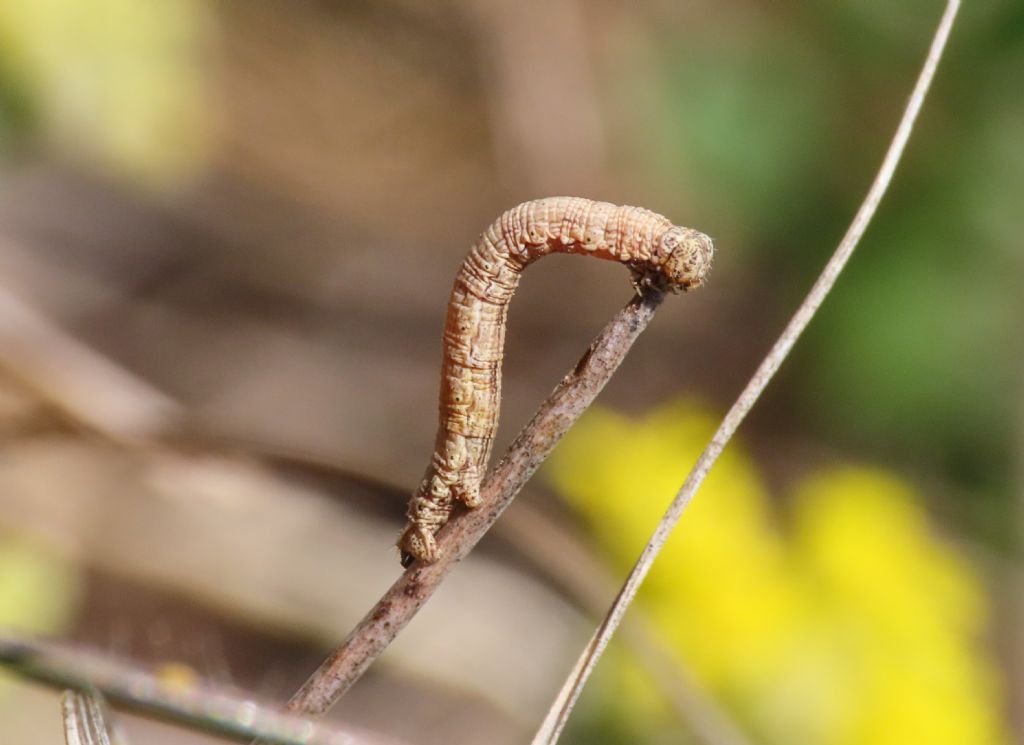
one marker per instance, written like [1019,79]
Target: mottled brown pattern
[656,251]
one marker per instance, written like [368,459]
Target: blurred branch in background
[86,388]
[542,95]
[193,704]
[558,715]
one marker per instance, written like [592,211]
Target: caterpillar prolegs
[657,253]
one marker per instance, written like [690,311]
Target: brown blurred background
[228,230]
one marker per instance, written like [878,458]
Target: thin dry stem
[408,594]
[85,722]
[563,559]
[554,723]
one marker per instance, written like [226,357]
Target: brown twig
[560,557]
[408,594]
[557,716]
[200,705]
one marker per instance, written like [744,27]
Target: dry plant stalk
[558,715]
[658,253]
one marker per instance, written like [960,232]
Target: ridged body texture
[474,335]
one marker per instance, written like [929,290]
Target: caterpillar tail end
[417,543]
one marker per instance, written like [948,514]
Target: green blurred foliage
[118,82]
[38,591]
[855,624]
[772,129]
[749,113]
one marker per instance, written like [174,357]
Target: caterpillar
[658,254]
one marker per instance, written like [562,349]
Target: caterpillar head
[687,258]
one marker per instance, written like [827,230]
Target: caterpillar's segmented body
[658,253]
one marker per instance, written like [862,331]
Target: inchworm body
[657,252]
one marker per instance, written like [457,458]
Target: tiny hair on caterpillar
[658,254]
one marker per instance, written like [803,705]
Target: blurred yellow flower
[858,626]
